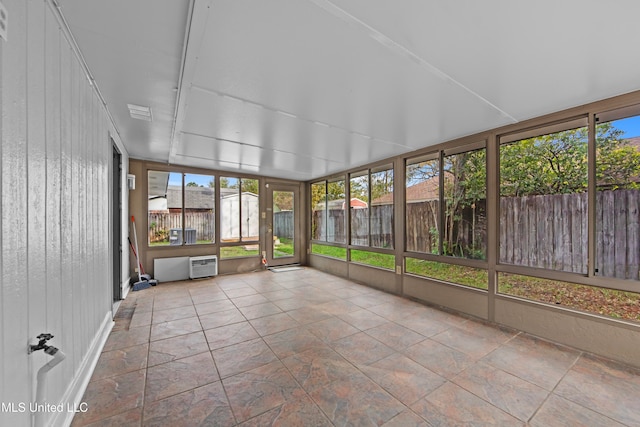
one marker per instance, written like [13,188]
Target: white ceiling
[304,88]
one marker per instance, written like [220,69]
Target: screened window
[199,208]
[381,209]
[446,203]
[371,207]
[330,251]
[359,208]
[319,211]
[239,210]
[166,192]
[336,212]
[422,197]
[590,299]
[374,259]
[543,198]
[328,211]
[617,239]
[464,230]
[459,274]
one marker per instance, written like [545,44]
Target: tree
[381,183]
[318,194]
[359,187]
[557,163]
[464,187]
[224,183]
[549,164]
[249,186]
[191,184]
[283,200]
[618,162]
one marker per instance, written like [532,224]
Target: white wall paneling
[16,367]
[54,229]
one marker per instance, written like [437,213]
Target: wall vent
[203,266]
[140,112]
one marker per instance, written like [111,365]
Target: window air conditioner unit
[203,266]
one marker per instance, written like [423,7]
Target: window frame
[183,173]
[567,124]
[439,157]
[240,242]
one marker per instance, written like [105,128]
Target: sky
[630,126]
[201,180]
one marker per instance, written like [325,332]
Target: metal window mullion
[184,217]
[347,207]
[591,197]
[369,208]
[441,214]
[326,211]
[240,210]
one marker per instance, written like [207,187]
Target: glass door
[282,225]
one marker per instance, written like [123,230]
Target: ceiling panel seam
[198,17]
[275,150]
[256,168]
[403,51]
[294,116]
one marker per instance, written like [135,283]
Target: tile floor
[304,348]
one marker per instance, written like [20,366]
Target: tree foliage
[381,184]
[557,163]
[618,162]
[245,185]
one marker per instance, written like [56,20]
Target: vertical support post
[493,220]
[591,197]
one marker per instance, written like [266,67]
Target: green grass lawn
[285,248]
[474,277]
[608,302]
[331,251]
[374,259]
[237,251]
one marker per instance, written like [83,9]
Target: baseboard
[126,288]
[78,385]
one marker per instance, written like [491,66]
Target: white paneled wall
[55,212]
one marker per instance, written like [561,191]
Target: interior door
[116,215]
[282,224]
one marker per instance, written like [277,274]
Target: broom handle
[135,239]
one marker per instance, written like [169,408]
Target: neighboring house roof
[423,191]
[634,141]
[339,204]
[420,192]
[194,197]
[387,199]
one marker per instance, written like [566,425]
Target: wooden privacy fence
[161,222]
[546,231]
[333,230]
[421,224]
[283,225]
[551,232]
[618,234]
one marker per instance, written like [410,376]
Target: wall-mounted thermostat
[131,181]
